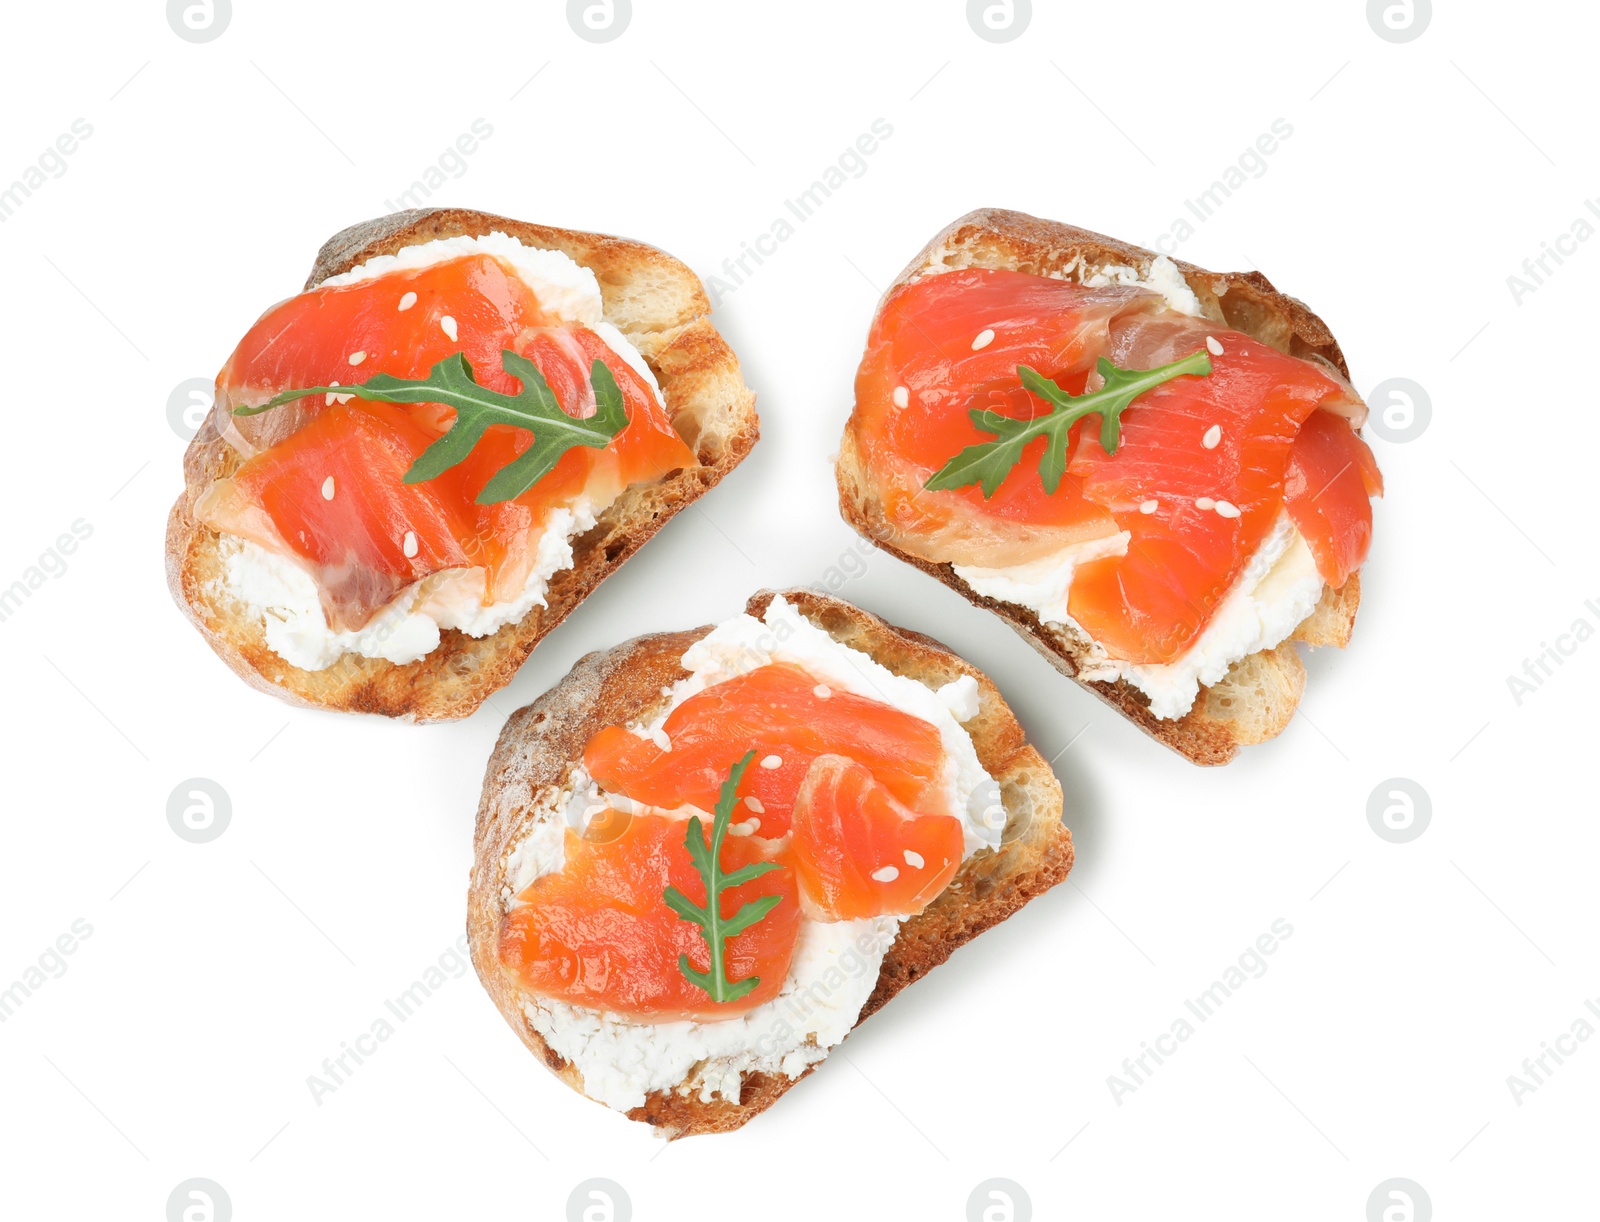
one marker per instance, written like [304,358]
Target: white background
[178,1041]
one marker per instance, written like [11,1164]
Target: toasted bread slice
[660,305]
[542,743]
[1255,700]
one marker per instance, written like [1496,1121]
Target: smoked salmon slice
[859,852]
[402,323]
[790,719]
[597,933]
[845,793]
[1331,481]
[1199,478]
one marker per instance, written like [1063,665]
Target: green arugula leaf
[714,927]
[534,409]
[989,462]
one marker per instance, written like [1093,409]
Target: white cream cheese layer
[285,596]
[1162,276]
[284,592]
[835,964]
[1279,587]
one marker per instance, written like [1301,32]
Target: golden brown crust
[543,742]
[661,306]
[1258,696]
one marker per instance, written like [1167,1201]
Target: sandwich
[703,857]
[1153,472]
[420,465]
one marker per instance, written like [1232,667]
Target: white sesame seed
[1204,502]
[448,326]
[1213,346]
[740,829]
[357,357]
[755,805]
[409,300]
[983,340]
[772,761]
[753,824]
[914,860]
[1212,437]
[822,691]
[327,489]
[659,737]
[885,874]
[1226,509]
[1149,506]
[409,544]
[330,397]
[902,396]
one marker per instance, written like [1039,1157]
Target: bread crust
[1258,696]
[542,743]
[661,306]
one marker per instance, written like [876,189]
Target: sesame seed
[753,824]
[755,805]
[659,737]
[1204,502]
[1212,346]
[772,761]
[409,300]
[885,874]
[902,396]
[409,544]
[914,860]
[1226,509]
[822,691]
[740,829]
[1149,506]
[330,397]
[448,326]
[1212,437]
[983,340]
[357,357]
[327,489]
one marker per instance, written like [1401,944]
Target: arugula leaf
[714,927]
[534,409]
[989,462]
